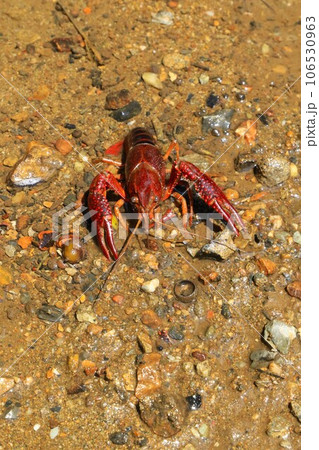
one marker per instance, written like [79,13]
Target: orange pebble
[25,241]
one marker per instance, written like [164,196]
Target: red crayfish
[146,186]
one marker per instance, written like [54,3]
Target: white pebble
[204,78]
[54,432]
[152,79]
[36,427]
[150,286]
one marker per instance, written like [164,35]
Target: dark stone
[241,97]
[126,113]
[212,100]
[176,332]
[226,311]
[194,401]
[70,126]
[245,162]
[50,313]
[119,437]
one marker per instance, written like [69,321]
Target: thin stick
[114,265]
[91,50]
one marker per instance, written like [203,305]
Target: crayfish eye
[134,199]
[156,199]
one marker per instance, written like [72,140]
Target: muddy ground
[83,382]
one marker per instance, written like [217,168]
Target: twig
[91,50]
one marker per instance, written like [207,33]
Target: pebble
[176,61]
[245,162]
[210,333]
[204,369]
[19,198]
[220,119]
[260,279]
[54,432]
[231,194]
[151,285]
[176,332]
[12,412]
[280,335]
[266,266]
[296,409]
[119,437]
[10,250]
[278,427]
[118,99]
[152,79]
[5,276]
[272,170]
[94,330]
[22,222]
[261,358]
[63,146]
[212,100]
[225,311]
[194,401]
[164,412]
[50,313]
[297,237]
[85,313]
[151,319]
[145,342]
[6,384]
[39,164]
[127,112]
[204,78]
[148,375]
[163,17]
[73,362]
[222,247]
[294,289]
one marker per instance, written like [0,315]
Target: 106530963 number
[310,42]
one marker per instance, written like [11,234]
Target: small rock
[12,412]
[22,222]
[10,250]
[220,119]
[266,266]
[73,362]
[164,412]
[245,162]
[296,409]
[151,285]
[204,78]
[297,237]
[248,130]
[260,279]
[261,358]
[272,170]
[152,80]
[5,276]
[54,432]
[63,146]
[278,427]
[293,170]
[220,248]
[210,332]
[212,100]
[118,99]
[225,311]
[198,355]
[280,335]
[119,437]
[94,330]
[19,198]
[151,319]
[176,332]
[6,384]
[294,289]
[194,401]
[163,17]
[85,313]
[203,368]
[274,369]
[148,375]
[204,430]
[126,113]
[145,342]
[50,313]
[176,61]
[38,165]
